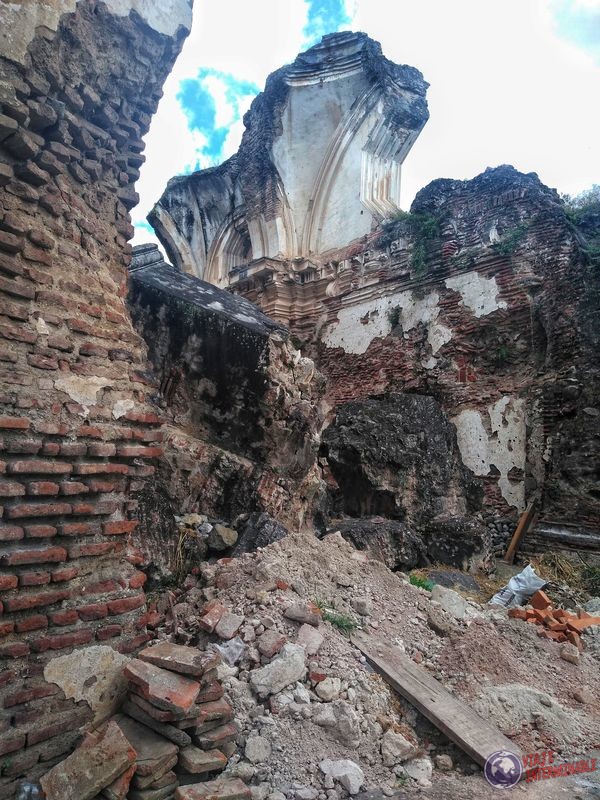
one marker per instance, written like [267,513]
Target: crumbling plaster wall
[242,408]
[490,315]
[78,85]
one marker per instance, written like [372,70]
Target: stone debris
[287,668]
[91,768]
[349,774]
[172,735]
[557,624]
[219,789]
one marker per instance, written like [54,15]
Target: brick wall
[77,434]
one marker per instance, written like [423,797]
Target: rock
[454,540]
[395,748]
[243,770]
[347,724]
[443,762]
[258,749]
[257,530]
[199,761]
[175,657]
[310,638]
[303,612]
[420,770]
[325,717]
[219,789]
[389,541]
[91,768]
[383,460]
[270,642]
[450,602]
[287,668]
[440,622]
[307,793]
[301,694]
[568,652]
[164,689]
[363,606]
[593,606]
[228,625]
[346,772]
[583,696]
[329,689]
[222,538]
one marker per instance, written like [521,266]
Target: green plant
[591,580]
[422,583]
[342,622]
[502,354]
[511,240]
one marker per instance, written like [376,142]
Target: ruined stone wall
[242,409]
[78,85]
[482,298]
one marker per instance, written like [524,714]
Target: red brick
[126,604]
[109,632]
[70,723]
[131,645]
[102,449]
[11,533]
[50,449]
[38,510]
[29,693]
[119,527]
[42,362]
[137,580]
[40,531]
[79,529]
[34,623]
[33,554]
[540,600]
[42,488]
[15,423]
[40,467]
[72,487]
[66,617]
[93,611]
[23,602]
[61,641]
[211,615]
[92,549]
[143,417]
[90,431]
[34,578]
[11,489]
[6,628]
[50,428]
[101,587]
[8,582]
[10,744]
[103,486]
[101,469]
[73,449]
[15,650]
[65,574]
[138,451]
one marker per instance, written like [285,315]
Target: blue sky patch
[324,16]
[579,25]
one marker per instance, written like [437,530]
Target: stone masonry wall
[78,85]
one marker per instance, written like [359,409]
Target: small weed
[342,622]
[422,583]
[591,580]
[393,316]
[511,240]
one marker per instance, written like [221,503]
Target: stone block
[165,690]
[177,658]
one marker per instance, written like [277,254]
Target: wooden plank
[473,734]
[525,521]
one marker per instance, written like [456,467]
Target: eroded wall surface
[483,297]
[78,85]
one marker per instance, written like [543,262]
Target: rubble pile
[175,729]
[557,624]
[315,722]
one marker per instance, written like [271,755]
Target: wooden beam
[473,734]
[525,522]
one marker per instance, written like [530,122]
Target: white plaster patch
[505,448]
[94,675]
[478,293]
[83,390]
[41,327]
[18,21]
[218,306]
[121,407]
[360,324]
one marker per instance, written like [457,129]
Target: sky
[512,82]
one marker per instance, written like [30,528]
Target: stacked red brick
[77,434]
[556,623]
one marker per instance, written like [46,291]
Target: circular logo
[503,769]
